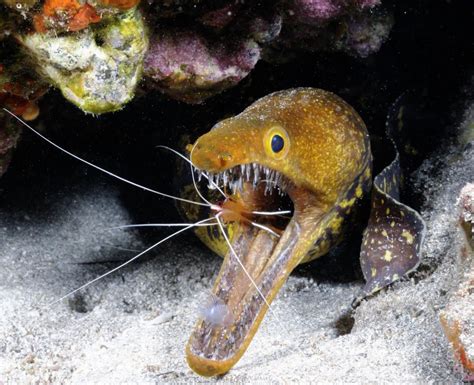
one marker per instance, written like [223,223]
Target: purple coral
[319,11]
[316,10]
[365,33]
[190,67]
[199,49]
[192,64]
[362,4]
[221,17]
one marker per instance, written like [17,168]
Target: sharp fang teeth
[209,181]
[236,177]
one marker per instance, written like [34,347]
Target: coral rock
[191,68]
[365,33]
[119,4]
[74,15]
[69,15]
[320,11]
[98,68]
[221,17]
[94,50]
[265,30]
[358,34]
[457,318]
[20,87]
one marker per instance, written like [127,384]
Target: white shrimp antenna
[193,167]
[130,260]
[252,281]
[160,225]
[100,168]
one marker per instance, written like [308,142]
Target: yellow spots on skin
[388,255]
[373,271]
[382,201]
[336,224]
[347,203]
[392,224]
[324,244]
[402,213]
[365,242]
[313,120]
[408,236]
[387,211]
[384,233]
[372,241]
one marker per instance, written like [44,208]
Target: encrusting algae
[203,50]
[98,68]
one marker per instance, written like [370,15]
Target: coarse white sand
[132,326]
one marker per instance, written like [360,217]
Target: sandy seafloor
[132,326]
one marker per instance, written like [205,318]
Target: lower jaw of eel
[214,348]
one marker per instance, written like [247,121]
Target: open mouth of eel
[256,266]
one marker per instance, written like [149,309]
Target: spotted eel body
[311,146]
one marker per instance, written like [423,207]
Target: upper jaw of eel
[243,296]
[234,178]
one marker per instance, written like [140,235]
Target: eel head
[301,149]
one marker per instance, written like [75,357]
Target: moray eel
[305,149]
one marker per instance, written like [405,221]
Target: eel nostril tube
[224,158]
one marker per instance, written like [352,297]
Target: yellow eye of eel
[276,142]
[320,176]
